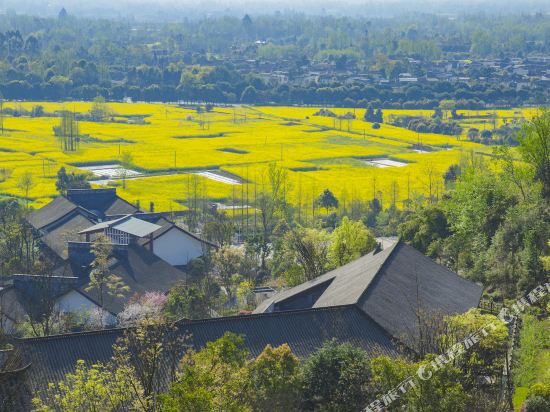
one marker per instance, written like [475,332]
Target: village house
[149,253]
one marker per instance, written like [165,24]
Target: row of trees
[253,90]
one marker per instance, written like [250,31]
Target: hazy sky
[167,10]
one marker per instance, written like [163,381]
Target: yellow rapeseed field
[318,152]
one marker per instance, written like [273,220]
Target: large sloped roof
[391,287]
[142,271]
[347,283]
[409,285]
[63,230]
[51,212]
[304,331]
[103,202]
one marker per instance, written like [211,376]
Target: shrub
[536,404]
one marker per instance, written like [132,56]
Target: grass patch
[90,139]
[533,357]
[200,136]
[307,169]
[347,140]
[533,353]
[232,150]
[520,395]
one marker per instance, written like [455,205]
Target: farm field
[231,148]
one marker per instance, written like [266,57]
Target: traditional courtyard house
[149,253]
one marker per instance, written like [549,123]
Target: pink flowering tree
[146,307]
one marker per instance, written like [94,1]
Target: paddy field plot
[226,153]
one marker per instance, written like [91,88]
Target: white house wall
[74,302]
[177,247]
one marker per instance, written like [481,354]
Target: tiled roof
[142,271]
[63,230]
[51,212]
[347,283]
[391,287]
[304,331]
[409,284]
[102,202]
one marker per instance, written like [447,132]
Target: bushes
[428,125]
[536,404]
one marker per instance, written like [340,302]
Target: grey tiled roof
[391,287]
[51,212]
[63,230]
[103,202]
[304,331]
[408,284]
[347,283]
[142,271]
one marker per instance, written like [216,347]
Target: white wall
[6,324]
[177,247]
[73,302]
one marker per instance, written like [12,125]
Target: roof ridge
[392,249]
[181,322]
[267,314]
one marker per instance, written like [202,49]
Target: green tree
[474,210]
[226,264]
[486,357]
[213,379]
[148,355]
[327,200]
[350,241]
[425,230]
[25,182]
[535,149]
[303,254]
[66,181]
[98,387]
[100,110]
[249,95]
[67,131]
[335,378]
[186,302]
[473,133]
[102,282]
[274,380]
[1,114]
[126,163]
[436,389]
[218,228]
